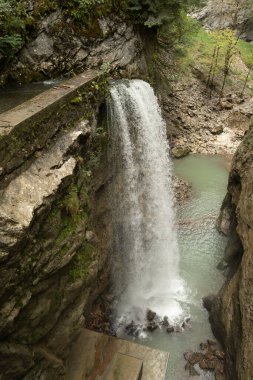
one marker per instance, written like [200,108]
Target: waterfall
[145,251]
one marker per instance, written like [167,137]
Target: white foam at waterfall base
[146,256]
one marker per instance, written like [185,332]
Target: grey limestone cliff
[232,311]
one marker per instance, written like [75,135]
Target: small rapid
[146,254]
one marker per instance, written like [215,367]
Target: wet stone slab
[47,101]
[32,125]
[101,357]
[124,367]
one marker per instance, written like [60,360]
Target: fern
[10,44]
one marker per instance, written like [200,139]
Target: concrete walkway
[101,357]
[45,102]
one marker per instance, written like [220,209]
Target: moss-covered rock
[53,241]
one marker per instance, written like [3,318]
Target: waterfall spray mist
[145,247]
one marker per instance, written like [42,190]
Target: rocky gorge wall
[60,46]
[52,247]
[54,214]
[231,310]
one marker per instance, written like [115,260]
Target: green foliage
[76,100]
[246,52]
[180,33]
[154,13]
[83,10]
[80,264]
[13,19]
[16,23]
[72,201]
[9,44]
[198,51]
[42,7]
[150,13]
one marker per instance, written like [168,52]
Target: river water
[201,248]
[13,95]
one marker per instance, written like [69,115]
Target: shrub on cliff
[154,13]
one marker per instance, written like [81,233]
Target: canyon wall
[52,246]
[61,46]
[54,222]
[54,214]
[232,311]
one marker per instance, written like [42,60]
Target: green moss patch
[82,261]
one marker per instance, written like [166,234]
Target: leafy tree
[250,70]
[224,50]
[229,41]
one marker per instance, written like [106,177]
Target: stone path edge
[30,126]
[47,101]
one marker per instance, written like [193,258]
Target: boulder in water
[208,302]
[165,321]
[152,326]
[130,328]
[186,323]
[188,354]
[150,315]
[170,329]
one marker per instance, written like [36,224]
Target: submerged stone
[170,329]
[179,152]
[152,326]
[165,321]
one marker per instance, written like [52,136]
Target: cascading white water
[145,243]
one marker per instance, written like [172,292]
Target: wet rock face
[60,46]
[231,311]
[53,251]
